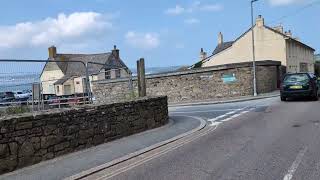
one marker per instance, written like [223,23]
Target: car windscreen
[292,78]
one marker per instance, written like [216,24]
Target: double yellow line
[168,148]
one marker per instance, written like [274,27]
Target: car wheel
[283,98]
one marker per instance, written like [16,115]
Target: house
[65,74]
[317,58]
[270,44]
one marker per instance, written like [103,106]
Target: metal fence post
[131,84]
[88,88]
[138,78]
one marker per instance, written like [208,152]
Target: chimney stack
[260,21]
[288,33]
[116,52]
[52,52]
[203,55]
[220,38]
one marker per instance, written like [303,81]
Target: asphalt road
[261,139]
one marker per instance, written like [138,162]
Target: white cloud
[142,40]
[211,7]
[175,11]
[196,6]
[191,21]
[53,31]
[284,2]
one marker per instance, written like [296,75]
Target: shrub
[17,110]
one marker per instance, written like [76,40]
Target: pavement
[185,120]
[260,139]
[227,100]
[128,147]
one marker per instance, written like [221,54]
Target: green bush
[17,110]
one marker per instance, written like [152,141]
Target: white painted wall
[269,46]
[49,77]
[297,54]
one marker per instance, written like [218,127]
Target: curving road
[261,139]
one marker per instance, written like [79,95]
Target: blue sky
[165,32]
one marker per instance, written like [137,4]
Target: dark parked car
[6,97]
[299,85]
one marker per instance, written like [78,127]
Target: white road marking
[228,119]
[234,116]
[295,164]
[216,110]
[216,118]
[214,123]
[243,112]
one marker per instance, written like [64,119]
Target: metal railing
[58,88]
[17,78]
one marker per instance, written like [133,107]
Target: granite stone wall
[217,82]
[29,139]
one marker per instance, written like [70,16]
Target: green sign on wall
[229,78]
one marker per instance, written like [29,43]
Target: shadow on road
[305,99]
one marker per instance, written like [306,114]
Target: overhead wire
[297,11]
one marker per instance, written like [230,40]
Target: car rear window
[296,78]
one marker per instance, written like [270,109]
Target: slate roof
[62,80]
[73,65]
[71,68]
[222,47]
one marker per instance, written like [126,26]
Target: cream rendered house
[270,44]
[62,76]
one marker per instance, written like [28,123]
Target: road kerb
[223,102]
[137,153]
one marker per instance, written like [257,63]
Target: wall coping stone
[39,114]
[197,70]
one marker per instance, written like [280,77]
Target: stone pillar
[141,78]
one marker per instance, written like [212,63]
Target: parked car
[299,85]
[22,95]
[6,97]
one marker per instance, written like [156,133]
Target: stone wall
[28,139]
[197,84]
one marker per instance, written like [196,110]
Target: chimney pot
[288,33]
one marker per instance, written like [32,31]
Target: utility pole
[253,52]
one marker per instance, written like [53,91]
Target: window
[118,73]
[77,82]
[303,67]
[293,78]
[67,90]
[58,89]
[107,74]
